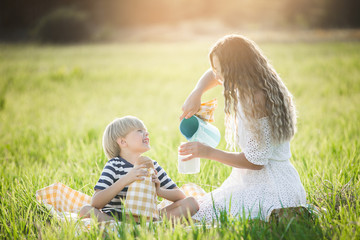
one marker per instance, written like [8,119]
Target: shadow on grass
[291,225]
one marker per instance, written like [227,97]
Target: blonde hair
[118,128]
[247,75]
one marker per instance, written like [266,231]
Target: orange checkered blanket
[61,198]
[65,202]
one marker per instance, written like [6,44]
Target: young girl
[124,140]
[260,119]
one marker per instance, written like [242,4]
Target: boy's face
[138,140]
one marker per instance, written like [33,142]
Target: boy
[124,140]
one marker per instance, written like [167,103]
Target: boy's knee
[85,210]
[193,204]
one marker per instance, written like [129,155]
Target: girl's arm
[207,81]
[237,160]
[193,101]
[103,197]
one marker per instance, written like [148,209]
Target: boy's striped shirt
[117,168]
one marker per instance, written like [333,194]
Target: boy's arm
[173,195]
[103,197]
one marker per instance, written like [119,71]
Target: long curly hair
[247,75]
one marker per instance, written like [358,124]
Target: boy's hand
[145,161]
[136,174]
[144,158]
[156,181]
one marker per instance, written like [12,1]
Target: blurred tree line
[18,17]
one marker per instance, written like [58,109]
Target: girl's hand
[191,106]
[196,149]
[137,173]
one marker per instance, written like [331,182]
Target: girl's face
[138,140]
[217,69]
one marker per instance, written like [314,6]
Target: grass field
[55,102]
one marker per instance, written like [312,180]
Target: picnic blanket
[62,199]
[64,202]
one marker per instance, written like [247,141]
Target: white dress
[255,193]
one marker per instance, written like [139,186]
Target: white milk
[188,167]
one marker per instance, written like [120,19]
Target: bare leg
[182,208]
[87,211]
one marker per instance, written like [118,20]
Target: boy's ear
[121,142]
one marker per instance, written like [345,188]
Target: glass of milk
[188,167]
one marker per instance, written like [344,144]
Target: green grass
[55,102]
